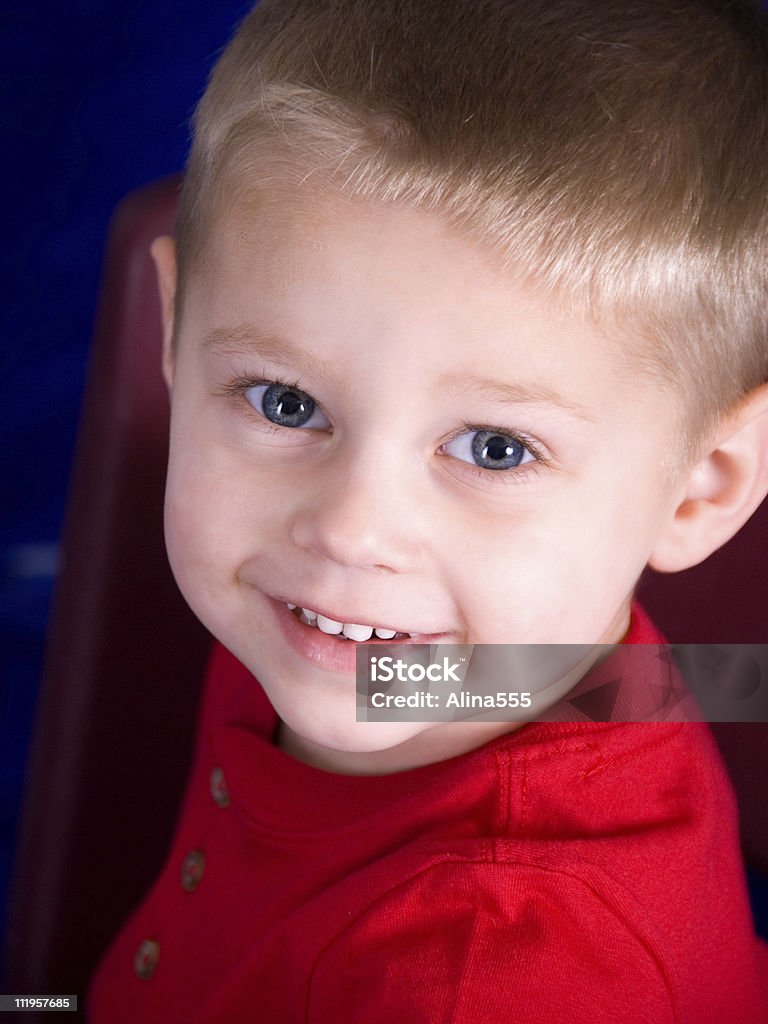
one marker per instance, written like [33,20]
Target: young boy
[464,327]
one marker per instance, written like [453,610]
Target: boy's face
[428,366]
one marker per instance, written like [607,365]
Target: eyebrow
[247,338]
[529,393]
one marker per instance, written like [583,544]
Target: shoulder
[476,941]
[597,896]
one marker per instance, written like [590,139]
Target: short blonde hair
[614,152]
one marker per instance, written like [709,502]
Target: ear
[163,252]
[722,488]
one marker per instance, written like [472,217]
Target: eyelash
[240,384]
[514,475]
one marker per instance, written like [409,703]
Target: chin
[366,738]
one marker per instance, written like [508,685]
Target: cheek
[524,579]
[187,525]
[200,511]
[219,505]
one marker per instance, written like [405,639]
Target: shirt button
[219,787]
[192,868]
[145,961]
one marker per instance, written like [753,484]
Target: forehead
[312,265]
[279,229]
[389,302]
[280,245]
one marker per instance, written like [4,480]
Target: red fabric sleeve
[485,943]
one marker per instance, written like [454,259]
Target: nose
[362,512]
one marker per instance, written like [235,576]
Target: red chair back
[125,656]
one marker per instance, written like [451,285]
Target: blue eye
[284,405]
[490,449]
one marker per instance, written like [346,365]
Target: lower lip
[326,650]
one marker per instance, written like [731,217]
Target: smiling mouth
[354,631]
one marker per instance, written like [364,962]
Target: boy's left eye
[285,405]
[490,449]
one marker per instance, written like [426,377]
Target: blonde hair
[614,152]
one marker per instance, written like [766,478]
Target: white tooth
[356,632]
[310,614]
[384,634]
[291,606]
[329,625]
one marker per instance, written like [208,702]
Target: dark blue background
[95,101]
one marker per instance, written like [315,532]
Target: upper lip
[377,624]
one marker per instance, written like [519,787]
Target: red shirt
[571,871]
